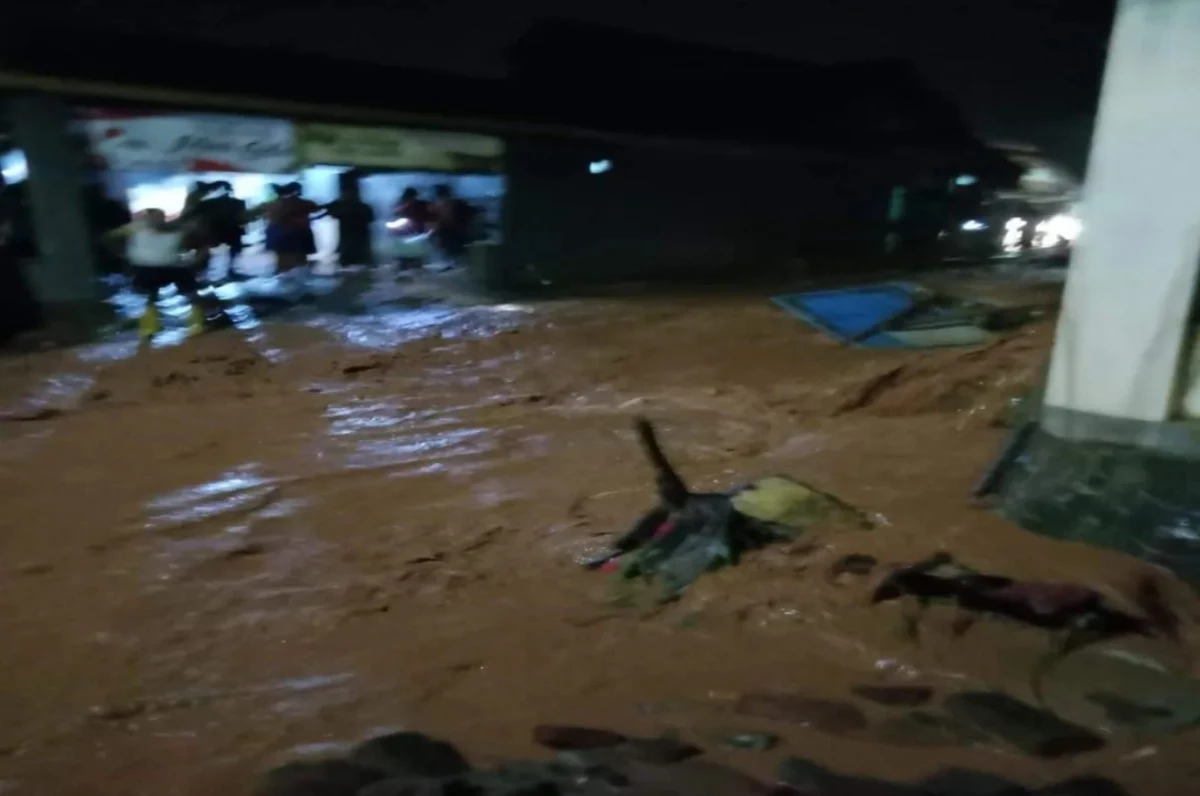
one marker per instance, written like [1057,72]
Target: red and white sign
[191,143]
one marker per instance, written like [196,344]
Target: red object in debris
[1046,599]
[664,529]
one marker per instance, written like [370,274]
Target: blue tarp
[844,314]
[847,312]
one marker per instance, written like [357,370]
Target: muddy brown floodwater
[245,549]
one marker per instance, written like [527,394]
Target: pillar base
[74,323]
[1139,501]
[485,265]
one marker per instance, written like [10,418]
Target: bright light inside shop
[599,166]
[963,180]
[13,166]
[1061,227]
[1052,232]
[973,226]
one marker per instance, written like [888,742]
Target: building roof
[565,81]
[67,51]
[599,73]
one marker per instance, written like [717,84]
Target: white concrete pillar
[65,272]
[1123,329]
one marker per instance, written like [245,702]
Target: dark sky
[1021,69]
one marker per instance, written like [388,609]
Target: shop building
[636,175]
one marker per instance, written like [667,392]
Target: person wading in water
[154,248]
[289,231]
[354,217]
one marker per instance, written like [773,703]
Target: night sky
[1022,70]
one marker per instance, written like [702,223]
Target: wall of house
[660,213]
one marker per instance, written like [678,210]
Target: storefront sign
[402,150]
[194,143]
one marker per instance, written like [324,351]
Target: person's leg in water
[235,255]
[184,280]
[148,283]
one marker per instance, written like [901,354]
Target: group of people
[177,252]
[216,218]
[158,251]
[445,226]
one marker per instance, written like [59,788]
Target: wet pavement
[275,540]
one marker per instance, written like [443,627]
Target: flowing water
[272,542]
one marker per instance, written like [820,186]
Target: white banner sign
[195,143]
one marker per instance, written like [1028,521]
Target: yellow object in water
[787,502]
[195,320]
[148,323]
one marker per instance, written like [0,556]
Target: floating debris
[30,415]
[604,771]
[690,533]
[660,751]
[562,738]
[853,564]
[755,741]
[811,779]
[920,728]
[895,695]
[1109,689]
[1086,615]
[409,754]
[1033,730]
[826,715]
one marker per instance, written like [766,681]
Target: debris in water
[663,750]
[409,754]
[562,738]
[909,696]
[853,564]
[690,533]
[812,779]
[1110,689]
[30,415]
[325,777]
[411,763]
[1084,614]
[756,741]
[398,766]
[1126,711]
[921,728]
[1083,786]
[826,715]
[1034,731]
[965,782]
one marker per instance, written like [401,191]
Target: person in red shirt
[289,231]
[453,222]
[414,211]
[411,223]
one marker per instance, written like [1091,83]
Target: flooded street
[271,543]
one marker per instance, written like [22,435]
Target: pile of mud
[595,761]
[979,384]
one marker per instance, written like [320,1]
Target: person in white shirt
[155,250]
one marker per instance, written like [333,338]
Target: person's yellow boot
[195,320]
[148,323]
